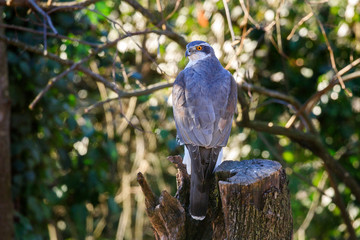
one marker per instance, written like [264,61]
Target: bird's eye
[199,48]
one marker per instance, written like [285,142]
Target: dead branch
[341,205]
[331,52]
[56,58]
[310,140]
[25,29]
[135,93]
[156,20]
[228,18]
[293,30]
[44,14]
[53,6]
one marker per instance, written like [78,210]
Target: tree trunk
[6,207]
[249,200]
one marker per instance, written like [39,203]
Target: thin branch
[98,104]
[159,7]
[278,27]
[2,25]
[73,67]
[278,49]
[280,159]
[337,199]
[51,82]
[228,18]
[314,204]
[271,93]
[331,52]
[68,6]
[141,48]
[156,20]
[278,95]
[177,5]
[44,14]
[311,102]
[135,93]
[247,14]
[341,205]
[310,140]
[56,58]
[318,2]
[51,6]
[239,49]
[45,36]
[304,19]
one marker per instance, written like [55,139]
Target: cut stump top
[246,172]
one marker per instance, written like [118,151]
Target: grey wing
[194,116]
[183,125]
[225,116]
[202,121]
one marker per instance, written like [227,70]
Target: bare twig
[177,4]
[228,18]
[310,140]
[44,14]
[50,84]
[45,36]
[155,19]
[275,152]
[243,37]
[278,27]
[311,102]
[56,58]
[159,7]
[278,49]
[73,67]
[304,19]
[318,2]
[51,6]
[331,52]
[50,34]
[135,93]
[337,200]
[341,205]
[314,204]
[68,6]
[137,44]
[247,14]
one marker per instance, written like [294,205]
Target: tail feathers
[199,198]
[203,162]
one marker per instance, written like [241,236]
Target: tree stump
[249,200]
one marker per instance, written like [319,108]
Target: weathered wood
[255,200]
[248,200]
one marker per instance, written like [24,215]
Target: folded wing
[203,114]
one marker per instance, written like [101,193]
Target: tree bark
[6,207]
[248,200]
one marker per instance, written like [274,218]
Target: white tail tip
[198,218]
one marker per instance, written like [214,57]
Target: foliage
[74,171]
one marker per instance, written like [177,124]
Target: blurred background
[76,151]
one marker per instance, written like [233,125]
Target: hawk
[204,100]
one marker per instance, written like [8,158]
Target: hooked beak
[189,52]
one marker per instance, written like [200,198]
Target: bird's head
[198,50]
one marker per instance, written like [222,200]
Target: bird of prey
[204,100]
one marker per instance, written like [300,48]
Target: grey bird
[204,101]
